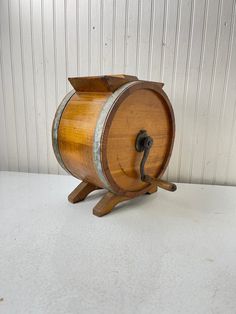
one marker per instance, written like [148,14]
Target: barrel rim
[55,126]
[114,101]
[99,130]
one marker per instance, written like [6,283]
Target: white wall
[189,45]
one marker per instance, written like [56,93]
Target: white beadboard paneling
[60,53]
[214,116]
[7,101]
[230,167]
[230,120]
[84,49]
[170,47]
[49,76]
[224,126]
[3,137]
[95,37]
[205,83]
[184,112]
[18,87]
[131,36]
[40,84]
[208,98]
[144,28]
[72,61]
[28,76]
[60,48]
[193,81]
[190,45]
[156,45]
[179,96]
[107,36]
[119,35]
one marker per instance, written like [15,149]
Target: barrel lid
[105,83]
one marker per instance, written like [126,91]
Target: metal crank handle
[161,183]
[143,144]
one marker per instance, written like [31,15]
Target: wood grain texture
[110,200]
[107,203]
[138,106]
[81,192]
[106,83]
[143,106]
[76,134]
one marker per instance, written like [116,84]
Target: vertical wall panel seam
[13,84]
[101,37]
[66,44]
[45,84]
[186,82]
[212,86]
[89,37]
[163,42]
[139,25]
[23,84]
[55,61]
[4,97]
[77,37]
[34,82]
[150,47]
[225,87]
[113,35]
[229,155]
[199,85]
[176,49]
[126,34]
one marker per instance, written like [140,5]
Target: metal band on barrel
[55,126]
[108,106]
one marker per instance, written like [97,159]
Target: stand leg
[81,192]
[107,203]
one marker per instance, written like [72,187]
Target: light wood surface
[144,106]
[127,106]
[76,134]
[143,109]
[81,192]
[106,83]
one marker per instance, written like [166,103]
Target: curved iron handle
[143,144]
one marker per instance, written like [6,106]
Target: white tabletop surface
[163,253]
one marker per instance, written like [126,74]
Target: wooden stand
[81,192]
[110,200]
[107,203]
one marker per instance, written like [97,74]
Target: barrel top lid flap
[106,83]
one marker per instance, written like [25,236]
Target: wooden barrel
[96,126]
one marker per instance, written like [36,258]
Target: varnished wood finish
[81,192]
[110,200]
[107,203]
[142,106]
[166,185]
[96,135]
[76,134]
[106,83]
